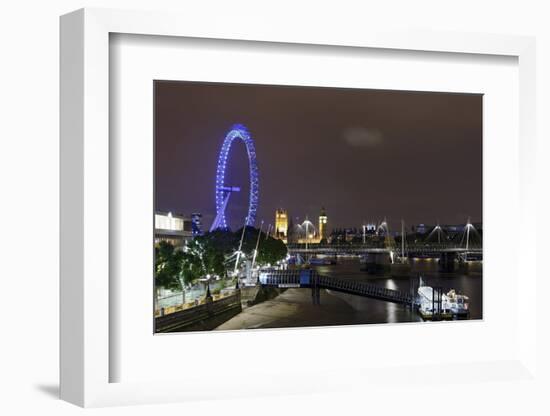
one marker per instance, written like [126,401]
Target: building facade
[196,224]
[173,228]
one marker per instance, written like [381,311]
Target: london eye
[224,190]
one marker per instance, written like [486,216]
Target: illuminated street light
[239,252]
[257,244]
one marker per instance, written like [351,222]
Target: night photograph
[293,206]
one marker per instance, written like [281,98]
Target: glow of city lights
[384,227]
[305,226]
[468,229]
[437,229]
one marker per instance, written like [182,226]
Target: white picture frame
[85,212]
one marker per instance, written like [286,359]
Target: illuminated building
[174,229]
[196,224]
[323,224]
[281,224]
[370,228]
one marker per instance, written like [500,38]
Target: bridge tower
[384,229]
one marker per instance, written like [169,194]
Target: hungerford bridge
[412,250]
[434,245]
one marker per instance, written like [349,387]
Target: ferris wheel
[223,190]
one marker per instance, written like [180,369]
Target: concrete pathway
[294,308]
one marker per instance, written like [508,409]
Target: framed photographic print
[333,207]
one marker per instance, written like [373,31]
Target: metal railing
[194,314]
[171,300]
[359,248]
[313,279]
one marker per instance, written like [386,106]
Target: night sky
[362,154]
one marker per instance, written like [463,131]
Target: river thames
[294,307]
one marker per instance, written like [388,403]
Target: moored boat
[434,304]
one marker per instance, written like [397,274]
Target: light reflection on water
[390,284]
[375,311]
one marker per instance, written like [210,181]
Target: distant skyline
[362,154]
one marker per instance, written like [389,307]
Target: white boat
[458,303]
[452,303]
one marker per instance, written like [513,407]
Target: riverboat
[434,304]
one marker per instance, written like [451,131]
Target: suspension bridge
[436,244]
[358,249]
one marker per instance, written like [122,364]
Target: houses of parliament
[305,232]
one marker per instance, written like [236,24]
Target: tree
[217,246]
[208,255]
[270,250]
[193,267]
[168,266]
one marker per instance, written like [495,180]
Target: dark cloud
[362,137]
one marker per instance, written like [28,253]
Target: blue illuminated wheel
[238,131]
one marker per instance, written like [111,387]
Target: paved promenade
[294,308]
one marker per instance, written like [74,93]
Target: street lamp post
[240,247]
[403,237]
[468,226]
[257,245]
[307,233]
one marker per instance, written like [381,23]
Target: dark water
[374,311]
